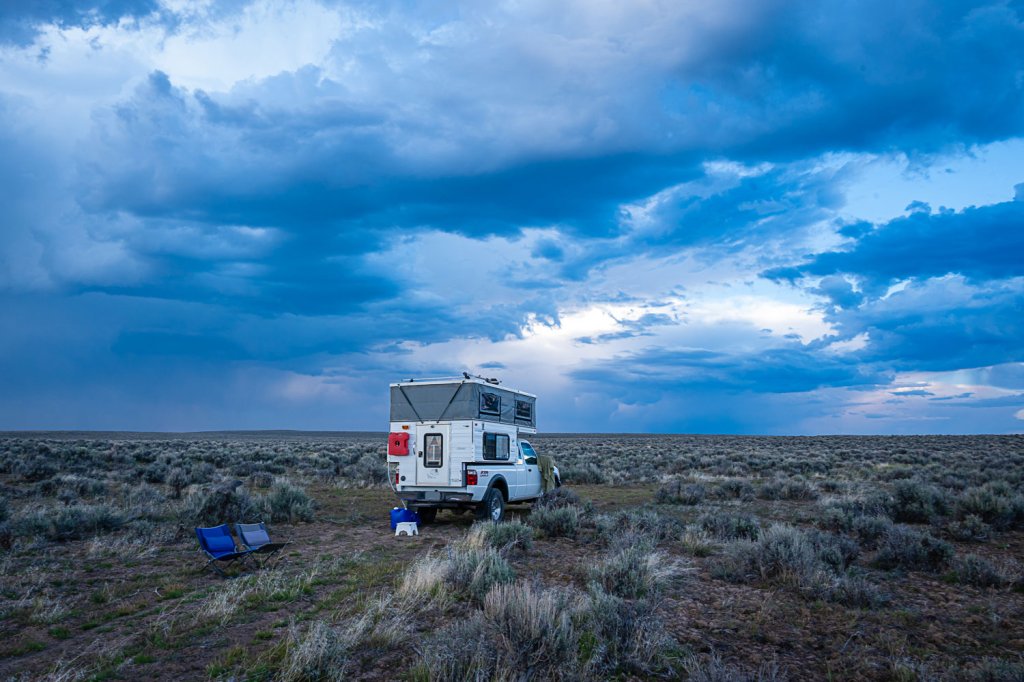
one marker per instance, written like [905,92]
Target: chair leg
[212,563]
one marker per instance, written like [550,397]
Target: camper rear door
[433,454]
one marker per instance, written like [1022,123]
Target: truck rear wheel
[493,506]
[427,514]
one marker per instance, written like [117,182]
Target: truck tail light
[471,478]
[396,476]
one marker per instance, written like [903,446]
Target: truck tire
[493,506]
[427,515]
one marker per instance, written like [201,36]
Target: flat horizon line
[303,433]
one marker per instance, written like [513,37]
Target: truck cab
[460,443]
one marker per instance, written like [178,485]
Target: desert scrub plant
[558,498]
[915,501]
[72,522]
[261,479]
[220,505]
[996,503]
[970,528]
[729,526]
[971,569]
[521,633]
[786,489]
[587,474]
[177,480]
[912,549]
[680,492]
[555,523]
[509,535]
[632,572]
[623,635]
[476,571]
[634,526]
[288,502]
[811,562]
[733,488]
[465,570]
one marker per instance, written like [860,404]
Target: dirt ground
[109,609]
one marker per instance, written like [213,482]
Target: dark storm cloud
[940,327]
[780,370]
[980,243]
[249,216]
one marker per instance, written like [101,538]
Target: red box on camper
[398,443]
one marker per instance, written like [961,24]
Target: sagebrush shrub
[72,522]
[288,502]
[213,507]
[555,523]
[558,498]
[971,527]
[996,503]
[730,526]
[680,492]
[912,549]
[871,529]
[177,480]
[261,479]
[786,489]
[521,632]
[36,468]
[476,571]
[972,569]
[509,535]
[915,501]
[587,474]
[631,572]
[622,634]
[734,488]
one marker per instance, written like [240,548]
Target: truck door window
[433,450]
[528,452]
[496,446]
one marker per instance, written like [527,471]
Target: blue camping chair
[255,538]
[217,543]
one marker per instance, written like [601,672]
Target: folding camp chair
[254,538]
[217,543]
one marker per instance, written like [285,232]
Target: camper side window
[496,446]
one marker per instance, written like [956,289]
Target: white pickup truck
[457,443]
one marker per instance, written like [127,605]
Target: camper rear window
[495,446]
[433,449]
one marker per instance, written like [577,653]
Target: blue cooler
[399,515]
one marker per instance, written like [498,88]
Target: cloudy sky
[682,216]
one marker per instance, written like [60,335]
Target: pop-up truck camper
[459,443]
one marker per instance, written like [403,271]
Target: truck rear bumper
[438,498]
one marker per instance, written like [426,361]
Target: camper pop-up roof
[449,399]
